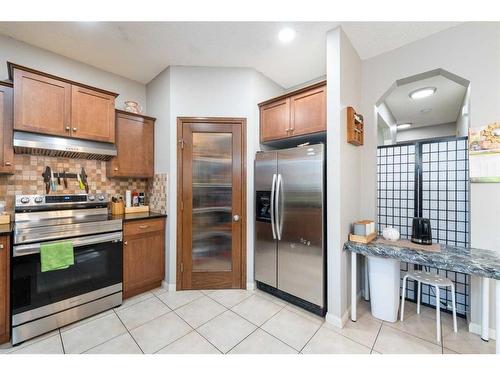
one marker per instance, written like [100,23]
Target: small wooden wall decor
[355,127]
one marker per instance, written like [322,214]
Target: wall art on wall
[484,153]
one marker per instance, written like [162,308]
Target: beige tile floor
[238,322]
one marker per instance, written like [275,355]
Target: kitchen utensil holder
[117,208]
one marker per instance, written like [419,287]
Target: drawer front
[143,226]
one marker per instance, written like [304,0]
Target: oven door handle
[34,248]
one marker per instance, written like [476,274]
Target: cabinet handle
[116,168]
[125,243]
[74,129]
[8,163]
[68,128]
[143,226]
[1,246]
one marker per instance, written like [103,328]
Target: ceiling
[141,50]
[446,103]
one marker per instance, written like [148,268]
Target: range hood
[48,145]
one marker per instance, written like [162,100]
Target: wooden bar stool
[436,281]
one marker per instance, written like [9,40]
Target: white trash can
[384,276]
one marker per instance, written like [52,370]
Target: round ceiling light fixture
[404,126]
[423,93]
[286,35]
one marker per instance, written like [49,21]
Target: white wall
[463,117]
[205,92]
[343,169]
[455,50]
[45,61]
[427,132]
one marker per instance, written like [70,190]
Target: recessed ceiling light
[286,35]
[404,126]
[426,110]
[423,93]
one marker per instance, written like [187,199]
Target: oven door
[97,268]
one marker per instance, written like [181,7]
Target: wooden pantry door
[211,203]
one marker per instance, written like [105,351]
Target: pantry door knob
[236,218]
[125,243]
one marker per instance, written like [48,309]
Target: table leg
[485,309]
[367,284]
[353,286]
[497,313]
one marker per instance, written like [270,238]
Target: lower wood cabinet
[143,255]
[4,289]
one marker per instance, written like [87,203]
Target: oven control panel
[28,201]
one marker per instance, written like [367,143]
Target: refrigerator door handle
[279,219]
[273,188]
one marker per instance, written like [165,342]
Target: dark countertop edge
[424,258]
[139,216]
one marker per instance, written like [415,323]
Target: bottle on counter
[135,198]
[128,198]
[142,198]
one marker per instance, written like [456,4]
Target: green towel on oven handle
[56,255]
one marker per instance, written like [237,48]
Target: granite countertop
[5,228]
[138,216]
[479,262]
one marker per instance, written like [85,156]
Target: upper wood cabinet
[92,115]
[47,104]
[6,149]
[296,113]
[4,289]
[275,120]
[135,146]
[308,112]
[41,104]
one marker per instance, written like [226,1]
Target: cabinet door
[143,262]
[135,147]
[6,149]
[308,112]
[41,104]
[4,289]
[275,120]
[92,115]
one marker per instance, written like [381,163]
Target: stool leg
[419,286]
[454,308]
[403,297]
[438,314]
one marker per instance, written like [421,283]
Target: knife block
[117,208]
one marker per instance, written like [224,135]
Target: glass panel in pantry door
[212,202]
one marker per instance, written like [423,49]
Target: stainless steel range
[43,301]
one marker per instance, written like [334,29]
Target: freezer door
[300,223]
[265,236]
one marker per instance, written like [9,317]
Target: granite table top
[479,262]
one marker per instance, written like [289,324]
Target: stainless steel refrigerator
[289,225]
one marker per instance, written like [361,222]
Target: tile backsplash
[157,193]
[28,179]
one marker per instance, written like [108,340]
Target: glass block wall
[428,179]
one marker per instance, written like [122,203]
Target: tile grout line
[62,342]
[310,338]
[269,333]
[130,333]
[415,336]
[376,338]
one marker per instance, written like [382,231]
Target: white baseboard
[340,322]
[250,286]
[169,287]
[476,328]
